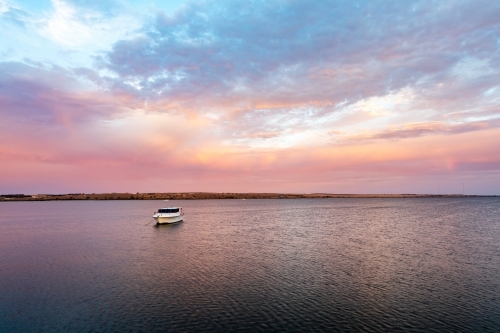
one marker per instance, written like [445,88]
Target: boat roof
[170,207]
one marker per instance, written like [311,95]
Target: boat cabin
[169,210]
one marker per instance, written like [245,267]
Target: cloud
[269,69]
[12,15]
[412,130]
[54,97]
[52,115]
[87,24]
[4,6]
[271,92]
[216,47]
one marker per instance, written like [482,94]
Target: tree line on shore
[203,196]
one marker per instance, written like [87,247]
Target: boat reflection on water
[167,225]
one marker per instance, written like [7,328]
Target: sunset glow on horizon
[250,96]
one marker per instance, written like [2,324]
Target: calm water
[307,265]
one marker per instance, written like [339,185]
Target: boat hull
[168,219]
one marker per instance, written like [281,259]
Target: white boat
[169,215]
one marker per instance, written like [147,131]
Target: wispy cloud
[78,25]
[419,129]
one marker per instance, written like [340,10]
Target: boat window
[168,210]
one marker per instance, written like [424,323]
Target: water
[304,265]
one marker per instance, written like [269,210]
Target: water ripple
[306,265]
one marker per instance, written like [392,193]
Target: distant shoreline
[209,195]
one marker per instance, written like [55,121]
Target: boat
[169,215]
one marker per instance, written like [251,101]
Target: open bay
[304,265]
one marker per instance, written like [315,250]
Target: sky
[293,96]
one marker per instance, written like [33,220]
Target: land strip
[210,195]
